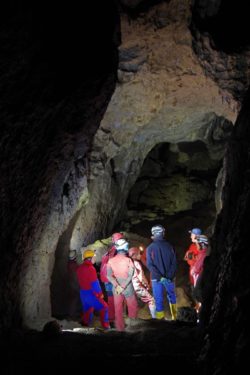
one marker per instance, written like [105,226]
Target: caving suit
[141,287]
[190,257]
[161,261]
[196,272]
[107,284]
[120,270]
[91,294]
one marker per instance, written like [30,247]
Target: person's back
[104,278]
[140,282]
[121,266]
[90,291]
[120,272]
[161,261]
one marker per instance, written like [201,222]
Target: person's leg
[146,297]
[132,306]
[197,293]
[119,320]
[157,288]
[170,288]
[111,306]
[100,305]
[87,308]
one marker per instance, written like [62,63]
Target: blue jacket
[161,259]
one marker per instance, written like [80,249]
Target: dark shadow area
[147,344]
[65,299]
[228,26]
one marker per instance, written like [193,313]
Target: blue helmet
[196,231]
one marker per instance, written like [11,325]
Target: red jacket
[191,254]
[87,277]
[197,267]
[120,272]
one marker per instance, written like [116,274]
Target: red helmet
[133,251]
[116,236]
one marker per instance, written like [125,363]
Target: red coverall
[120,270]
[91,294]
[190,258]
[107,284]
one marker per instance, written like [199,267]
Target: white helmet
[202,239]
[157,230]
[121,244]
[72,254]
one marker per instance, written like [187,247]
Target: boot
[173,310]
[159,315]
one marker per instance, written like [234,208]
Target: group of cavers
[124,280]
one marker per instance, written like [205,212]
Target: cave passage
[176,188]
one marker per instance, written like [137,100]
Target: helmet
[202,239]
[121,245]
[133,251]
[157,229]
[196,231]
[88,254]
[116,236]
[72,254]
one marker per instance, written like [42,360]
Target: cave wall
[162,95]
[225,315]
[58,69]
[222,43]
[58,78]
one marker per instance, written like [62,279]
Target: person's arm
[173,265]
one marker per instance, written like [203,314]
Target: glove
[165,280]
[118,289]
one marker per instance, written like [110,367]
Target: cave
[177,178]
[117,116]
[178,186]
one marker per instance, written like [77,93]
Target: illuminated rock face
[76,140]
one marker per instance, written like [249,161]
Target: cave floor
[146,343]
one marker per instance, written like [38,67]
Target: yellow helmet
[88,254]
